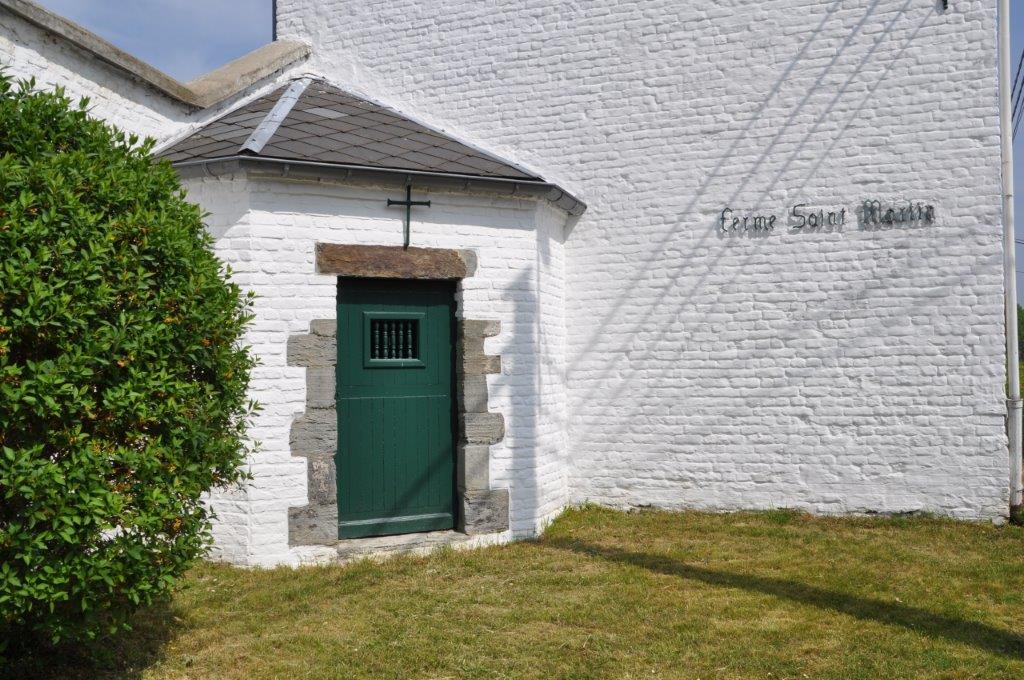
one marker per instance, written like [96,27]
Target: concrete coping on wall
[207,90]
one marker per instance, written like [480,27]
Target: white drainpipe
[1013,402]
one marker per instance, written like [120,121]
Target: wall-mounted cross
[408,203]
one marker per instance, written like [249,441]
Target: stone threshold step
[350,549]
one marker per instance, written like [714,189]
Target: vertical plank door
[395,458]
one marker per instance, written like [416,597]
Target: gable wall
[842,371]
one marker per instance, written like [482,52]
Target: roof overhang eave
[314,171]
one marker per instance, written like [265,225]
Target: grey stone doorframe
[314,434]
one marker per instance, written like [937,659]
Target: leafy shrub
[122,381]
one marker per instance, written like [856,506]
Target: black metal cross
[408,203]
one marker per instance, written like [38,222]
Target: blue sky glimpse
[183,38]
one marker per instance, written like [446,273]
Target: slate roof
[313,121]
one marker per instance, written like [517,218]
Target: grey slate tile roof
[313,121]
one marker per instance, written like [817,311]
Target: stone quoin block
[320,387]
[473,467]
[323,484]
[477,363]
[313,525]
[472,393]
[482,428]
[327,328]
[315,432]
[485,512]
[313,350]
[478,329]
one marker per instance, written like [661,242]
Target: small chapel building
[509,258]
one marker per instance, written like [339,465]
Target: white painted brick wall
[834,372]
[267,231]
[550,449]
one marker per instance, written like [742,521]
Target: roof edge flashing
[269,125]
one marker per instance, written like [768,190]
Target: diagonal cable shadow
[981,636]
[612,392]
[716,172]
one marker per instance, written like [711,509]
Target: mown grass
[608,594]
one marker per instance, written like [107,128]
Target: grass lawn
[613,595]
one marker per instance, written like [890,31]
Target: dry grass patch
[616,595]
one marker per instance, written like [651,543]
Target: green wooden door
[395,458]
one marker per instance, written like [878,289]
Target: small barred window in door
[394,339]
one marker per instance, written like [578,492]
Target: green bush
[122,380]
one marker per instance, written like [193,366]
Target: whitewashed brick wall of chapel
[838,371]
